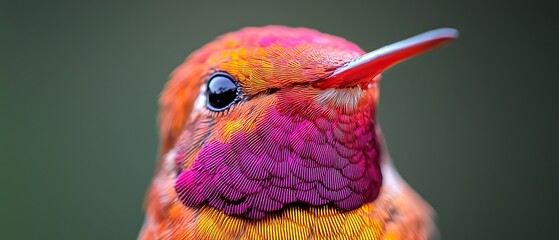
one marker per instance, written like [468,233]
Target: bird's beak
[364,69]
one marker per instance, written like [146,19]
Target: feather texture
[290,159]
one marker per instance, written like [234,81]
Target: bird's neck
[330,159]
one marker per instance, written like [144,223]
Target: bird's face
[265,118]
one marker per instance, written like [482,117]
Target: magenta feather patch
[310,158]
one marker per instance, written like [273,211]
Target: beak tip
[451,33]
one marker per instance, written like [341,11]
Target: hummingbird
[270,133]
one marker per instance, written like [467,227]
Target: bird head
[266,118]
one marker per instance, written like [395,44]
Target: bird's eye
[222,92]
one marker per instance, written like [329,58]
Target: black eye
[222,92]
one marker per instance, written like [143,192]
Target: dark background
[472,126]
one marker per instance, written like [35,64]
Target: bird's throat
[313,159]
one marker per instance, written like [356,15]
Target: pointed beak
[368,67]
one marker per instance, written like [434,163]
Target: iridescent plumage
[298,157]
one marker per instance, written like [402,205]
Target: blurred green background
[472,127]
